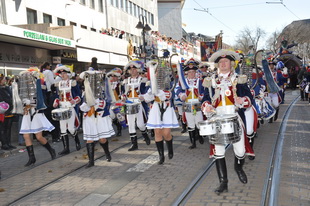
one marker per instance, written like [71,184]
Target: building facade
[71,32]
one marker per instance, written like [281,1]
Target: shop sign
[47,38]
[69,55]
[56,60]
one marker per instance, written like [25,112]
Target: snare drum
[191,107]
[229,129]
[132,108]
[207,128]
[61,114]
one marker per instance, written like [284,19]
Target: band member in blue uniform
[34,120]
[162,116]
[97,124]
[132,96]
[191,97]
[115,110]
[66,102]
[227,95]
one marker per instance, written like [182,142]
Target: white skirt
[97,128]
[38,124]
[169,118]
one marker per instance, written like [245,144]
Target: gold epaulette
[207,82]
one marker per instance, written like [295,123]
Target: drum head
[224,116]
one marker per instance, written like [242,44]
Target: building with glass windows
[71,32]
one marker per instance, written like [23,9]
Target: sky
[232,16]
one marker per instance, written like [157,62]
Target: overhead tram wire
[204,10]
[239,5]
[207,10]
[281,2]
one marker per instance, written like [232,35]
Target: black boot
[160,149]
[134,142]
[192,137]
[184,127]
[8,133]
[146,137]
[152,133]
[32,158]
[4,143]
[91,154]
[238,167]
[222,174]
[50,149]
[118,128]
[276,115]
[170,148]
[251,141]
[105,147]
[77,142]
[271,120]
[65,142]
[200,138]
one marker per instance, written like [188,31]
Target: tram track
[60,177]
[270,190]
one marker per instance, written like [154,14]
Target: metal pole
[143,35]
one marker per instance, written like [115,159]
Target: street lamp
[145,27]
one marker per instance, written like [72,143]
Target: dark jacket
[6,96]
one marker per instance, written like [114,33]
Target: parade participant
[179,106]
[97,125]
[66,101]
[49,95]
[307,79]
[115,111]
[203,70]
[134,87]
[227,94]
[191,97]
[34,120]
[6,116]
[162,116]
[280,78]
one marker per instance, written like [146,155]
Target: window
[83,27]
[47,18]
[82,2]
[116,3]
[32,16]
[100,5]
[61,22]
[92,29]
[152,19]
[148,17]
[72,23]
[92,4]
[130,7]
[112,2]
[138,10]
[134,9]
[126,6]
[122,4]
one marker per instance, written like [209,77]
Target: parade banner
[206,50]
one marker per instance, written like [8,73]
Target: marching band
[215,105]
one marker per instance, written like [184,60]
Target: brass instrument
[96,82]
[27,87]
